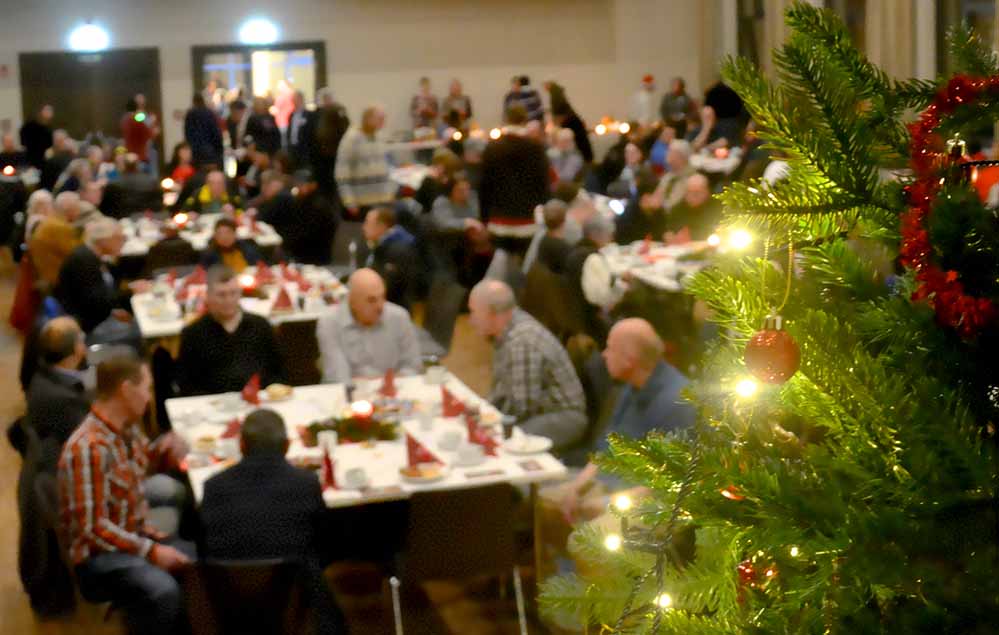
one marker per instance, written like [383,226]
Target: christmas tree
[855,490]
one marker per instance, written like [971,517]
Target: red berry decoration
[747,573]
[772,355]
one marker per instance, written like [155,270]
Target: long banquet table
[142,233]
[196,419]
[663,267]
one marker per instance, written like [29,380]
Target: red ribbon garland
[942,289]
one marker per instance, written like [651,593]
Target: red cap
[648,79]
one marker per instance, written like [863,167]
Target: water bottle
[352,248]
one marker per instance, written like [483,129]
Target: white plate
[527,444]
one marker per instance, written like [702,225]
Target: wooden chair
[248,597]
[460,534]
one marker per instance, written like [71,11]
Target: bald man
[533,378]
[366,336]
[697,215]
[649,401]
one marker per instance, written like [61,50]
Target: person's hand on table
[140,286]
[122,315]
[168,558]
[170,449]
[154,533]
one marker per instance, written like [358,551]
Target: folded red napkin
[182,294]
[388,388]
[451,406]
[264,274]
[304,285]
[478,435]
[417,453]
[283,302]
[646,245]
[329,474]
[198,276]
[232,430]
[251,391]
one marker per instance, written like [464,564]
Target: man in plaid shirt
[113,548]
[533,379]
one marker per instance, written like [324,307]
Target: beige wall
[376,49]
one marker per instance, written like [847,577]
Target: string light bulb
[664,601]
[794,552]
[612,542]
[714,240]
[180,219]
[167,183]
[456,135]
[624,128]
[746,388]
[740,239]
[8,170]
[495,133]
[622,502]
[600,129]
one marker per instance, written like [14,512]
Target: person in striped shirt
[362,168]
[117,554]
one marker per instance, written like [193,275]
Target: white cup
[355,478]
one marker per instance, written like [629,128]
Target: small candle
[8,170]
[362,409]
[248,282]
[180,219]
[601,129]
[624,128]
[167,183]
[456,135]
[495,133]
[721,153]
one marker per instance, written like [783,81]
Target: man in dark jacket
[86,287]
[223,349]
[515,180]
[36,136]
[331,122]
[644,215]
[263,508]
[202,132]
[300,136]
[262,127]
[57,403]
[393,254]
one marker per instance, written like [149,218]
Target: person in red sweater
[134,131]
[181,166]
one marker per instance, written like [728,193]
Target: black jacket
[581,135]
[36,138]
[83,291]
[262,507]
[397,260]
[265,132]
[634,224]
[304,149]
[57,403]
[701,221]
[201,130]
[306,224]
[212,360]
[515,180]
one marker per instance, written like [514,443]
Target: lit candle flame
[8,170]
[247,281]
[167,183]
[495,133]
[362,408]
[601,129]
[624,128]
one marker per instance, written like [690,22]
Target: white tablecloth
[660,267]
[158,318]
[410,176]
[142,234]
[194,418]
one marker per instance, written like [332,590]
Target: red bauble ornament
[747,573]
[772,355]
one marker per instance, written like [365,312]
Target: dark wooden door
[89,91]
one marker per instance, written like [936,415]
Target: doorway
[89,91]
[228,72]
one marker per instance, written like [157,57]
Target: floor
[466,607]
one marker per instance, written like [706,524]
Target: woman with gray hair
[40,206]
[74,177]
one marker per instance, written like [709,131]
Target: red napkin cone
[388,388]
[283,302]
[304,285]
[479,436]
[417,453]
[329,474]
[251,391]
[264,275]
[198,276]
[451,406]
[232,430]
[646,245]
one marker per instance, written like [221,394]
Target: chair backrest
[251,597]
[164,255]
[549,297]
[442,308]
[459,534]
[300,351]
[347,231]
